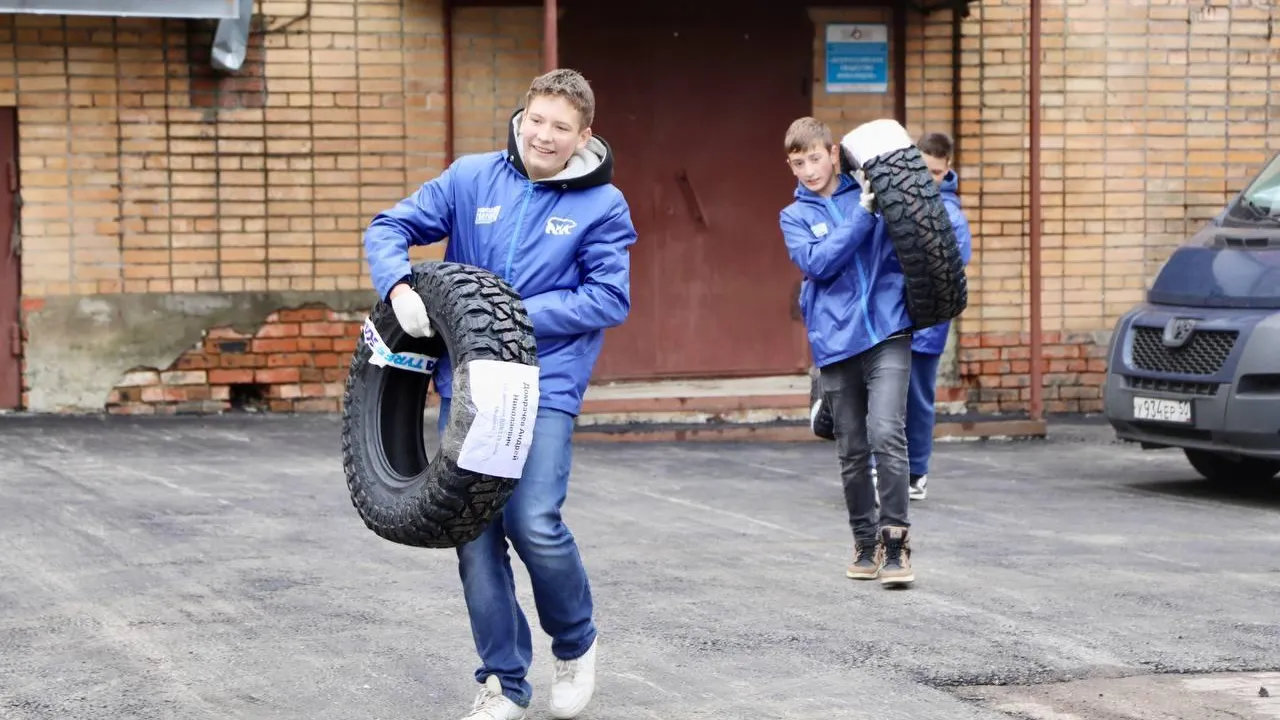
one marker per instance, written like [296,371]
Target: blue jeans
[531,521]
[920,411]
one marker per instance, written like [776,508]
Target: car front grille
[1178,387]
[1203,354]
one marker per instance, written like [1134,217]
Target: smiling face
[551,131]
[816,167]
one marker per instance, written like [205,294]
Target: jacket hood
[589,167]
[847,184]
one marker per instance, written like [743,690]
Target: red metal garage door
[695,102]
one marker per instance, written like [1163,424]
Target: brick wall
[137,182]
[497,51]
[845,111]
[130,186]
[145,172]
[296,362]
[1154,115]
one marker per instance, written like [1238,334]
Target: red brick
[223,333]
[325,329]
[314,344]
[242,361]
[275,345]
[298,360]
[316,405]
[231,377]
[1060,351]
[277,375]
[305,314]
[995,368]
[1000,340]
[184,377]
[278,330]
[310,375]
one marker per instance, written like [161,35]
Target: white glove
[412,314]
[868,198]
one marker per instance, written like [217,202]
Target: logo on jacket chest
[487,215]
[560,226]
[819,230]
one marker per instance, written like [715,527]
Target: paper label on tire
[383,357]
[505,395]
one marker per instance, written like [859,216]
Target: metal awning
[191,9]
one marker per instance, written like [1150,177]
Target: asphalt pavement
[202,568]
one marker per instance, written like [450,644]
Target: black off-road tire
[916,220]
[398,494]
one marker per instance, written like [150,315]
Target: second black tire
[400,495]
[916,220]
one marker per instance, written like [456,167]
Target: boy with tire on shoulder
[928,344]
[544,215]
[853,300]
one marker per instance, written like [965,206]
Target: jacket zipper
[863,283]
[515,237]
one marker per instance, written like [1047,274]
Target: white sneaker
[491,704]
[918,489]
[573,684]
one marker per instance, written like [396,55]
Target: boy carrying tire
[927,344]
[853,300]
[543,215]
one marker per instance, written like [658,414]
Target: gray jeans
[867,395]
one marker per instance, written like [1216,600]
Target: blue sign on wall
[858,58]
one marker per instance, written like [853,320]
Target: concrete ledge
[790,432]
[696,403]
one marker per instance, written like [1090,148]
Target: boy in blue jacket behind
[544,215]
[927,344]
[853,300]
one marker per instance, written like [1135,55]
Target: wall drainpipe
[900,64]
[550,36]
[1037,400]
[958,13]
[447,9]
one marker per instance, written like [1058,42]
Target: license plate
[1171,411]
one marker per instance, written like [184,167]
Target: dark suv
[1197,366]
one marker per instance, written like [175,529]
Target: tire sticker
[505,395]
[383,357]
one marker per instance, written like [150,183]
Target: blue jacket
[562,243]
[933,340]
[852,295]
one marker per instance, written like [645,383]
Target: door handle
[691,196]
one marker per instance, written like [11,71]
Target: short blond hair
[570,85]
[806,131]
